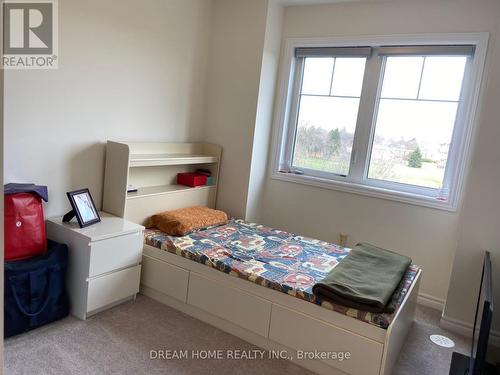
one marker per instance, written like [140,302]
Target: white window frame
[459,154]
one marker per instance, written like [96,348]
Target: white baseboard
[465,329]
[430,301]
[454,325]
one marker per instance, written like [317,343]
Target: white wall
[480,218]
[429,236]
[242,78]
[265,109]
[128,70]
[232,95]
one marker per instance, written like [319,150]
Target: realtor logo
[29,34]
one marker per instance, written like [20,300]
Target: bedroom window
[327,107]
[393,121]
[415,118]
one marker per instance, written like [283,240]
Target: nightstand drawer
[104,290]
[115,253]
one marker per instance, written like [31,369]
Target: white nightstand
[104,261]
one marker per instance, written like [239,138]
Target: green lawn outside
[338,166]
[429,175]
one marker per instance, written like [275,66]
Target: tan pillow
[186,220]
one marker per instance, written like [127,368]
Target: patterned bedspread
[273,258]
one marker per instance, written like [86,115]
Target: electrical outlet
[343,239]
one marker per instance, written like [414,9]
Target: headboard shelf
[150,160]
[152,168]
[163,189]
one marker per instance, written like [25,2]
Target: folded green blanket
[365,279]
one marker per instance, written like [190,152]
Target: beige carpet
[118,341]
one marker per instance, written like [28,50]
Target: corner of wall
[480,208]
[232,108]
[265,109]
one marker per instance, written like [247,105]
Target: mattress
[273,258]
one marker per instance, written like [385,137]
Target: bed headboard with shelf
[152,168]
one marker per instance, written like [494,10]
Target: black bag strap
[51,272]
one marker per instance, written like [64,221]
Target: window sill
[366,190]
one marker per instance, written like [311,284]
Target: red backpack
[24,224]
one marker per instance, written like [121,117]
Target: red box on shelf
[191,179]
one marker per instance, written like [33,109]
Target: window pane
[348,76]
[325,133]
[402,77]
[442,78]
[412,140]
[317,75]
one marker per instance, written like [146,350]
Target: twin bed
[256,282]
[272,258]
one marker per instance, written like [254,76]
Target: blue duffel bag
[35,292]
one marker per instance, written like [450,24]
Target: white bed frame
[267,318]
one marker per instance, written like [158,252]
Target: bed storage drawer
[301,332]
[113,287]
[241,308]
[103,254]
[165,278]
